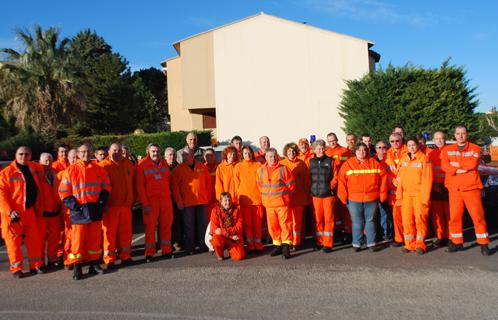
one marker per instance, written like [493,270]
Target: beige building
[264,75]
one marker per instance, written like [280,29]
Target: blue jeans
[194,227]
[386,220]
[363,216]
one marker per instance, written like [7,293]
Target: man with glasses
[386,219]
[393,156]
[20,203]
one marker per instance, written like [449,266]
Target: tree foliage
[420,100]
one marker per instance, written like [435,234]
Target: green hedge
[37,143]
[138,143]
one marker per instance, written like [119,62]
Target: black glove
[103,197]
[72,203]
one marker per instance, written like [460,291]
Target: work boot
[420,251]
[327,249]
[149,259]
[126,262]
[484,249]
[258,252]
[339,237]
[317,247]
[37,270]
[167,256]
[277,250]
[454,247]
[18,274]
[405,250]
[373,248]
[95,269]
[69,267]
[77,273]
[286,251]
[396,244]
[356,249]
[110,267]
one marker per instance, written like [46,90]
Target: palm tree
[39,83]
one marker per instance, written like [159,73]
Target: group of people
[76,210]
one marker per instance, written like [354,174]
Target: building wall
[281,79]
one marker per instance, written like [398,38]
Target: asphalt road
[312,285]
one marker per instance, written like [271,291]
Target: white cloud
[373,10]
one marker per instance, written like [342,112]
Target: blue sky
[423,32]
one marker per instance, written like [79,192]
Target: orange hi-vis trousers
[280,225]
[235,249]
[252,219]
[66,237]
[440,216]
[297,224]
[397,223]
[415,218]
[13,237]
[50,232]
[324,220]
[342,218]
[472,200]
[86,242]
[116,227]
[162,213]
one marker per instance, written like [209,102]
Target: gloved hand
[72,203]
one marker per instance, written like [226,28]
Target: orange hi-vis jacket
[301,195]
[362,181]
[122,176]
[468,159]
[246,186]
[306,156]
[152,181]
[225,181]
[60,165]
[212,173]
[13,189]
[49,193]
[191,187]
[230,224]
[338,152]
[276,188]
[84,181]
[392,161]
[415,177]
[438,173]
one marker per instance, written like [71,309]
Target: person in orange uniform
[342,217]
[393,157]
[191,189]
[301,195]
[237,143]
[20,201]
[65,246]
[440,208]
[422,142]
[153,189]
[117,218]
[276,183]
[385,214]
[249,199]
[323,171]
[226,229]
[62,162]
[414,192]
[460,162]
[305,152]
[362,184]
[224,173]
[264,144]
[50,223]
[100,154]
[212,166]
[85,189]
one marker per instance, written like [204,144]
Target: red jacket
[230,225]
[467,159]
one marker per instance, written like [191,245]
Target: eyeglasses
[393,141]
[381,147]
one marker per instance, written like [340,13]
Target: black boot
[77,273]
[484,249]
[277,250]
[454,247]
[95,269]
[286,251]
[18,274]
[348,238]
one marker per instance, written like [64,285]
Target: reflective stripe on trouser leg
[408,218]
[13,245]
[110,221]
[457,208]
[165,223]
[473,202]
[297,221]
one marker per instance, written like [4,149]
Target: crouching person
[226,229]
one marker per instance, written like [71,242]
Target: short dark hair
[414,139]
[359,145]
[101,148]
[236,138]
